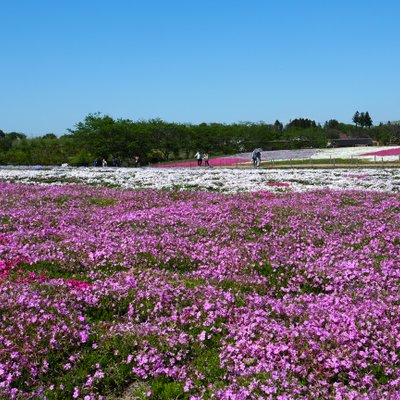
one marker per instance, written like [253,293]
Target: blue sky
[196,61]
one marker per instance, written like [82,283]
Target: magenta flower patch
[388,152]
[198,295]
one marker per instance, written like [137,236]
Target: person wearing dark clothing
[199,158]
[256,157]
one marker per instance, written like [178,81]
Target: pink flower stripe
[388,152]
[245,296]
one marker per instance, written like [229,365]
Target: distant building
[352,142]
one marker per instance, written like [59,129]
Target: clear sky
[196,61]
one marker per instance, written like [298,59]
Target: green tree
[165,137]
[367,120]
[9,140]
[364,119]
[278,126]
[356,118]
[302,123]
[49,136]
[94,134]
[331,124]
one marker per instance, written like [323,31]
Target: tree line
[363,119]
[121,140]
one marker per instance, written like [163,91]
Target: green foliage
[155,156]
[176,264]
[234,286]
[265,270]
[81,158]
[302,123]
[109,354]
[101,202]
[321,161]
[331,124]
[208,363]
[100,136]
[363,119]
[356,117]
[53,269]
[305,137]
[108,309]
[166,389]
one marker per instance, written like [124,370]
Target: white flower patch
[226,180]
[354,152]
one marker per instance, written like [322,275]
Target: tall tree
[367,120]
[362,119]
[356,118]
[331,124]
[278,126]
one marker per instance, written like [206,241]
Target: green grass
[54,270]
[324,161]
[101,202]
[110,355]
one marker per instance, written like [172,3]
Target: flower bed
[348,152]
[193,294]
[223,180]
[386,152]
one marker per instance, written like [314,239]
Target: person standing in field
[253,157]
[205,158]
[256,157]
[199,158]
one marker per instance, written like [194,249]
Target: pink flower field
[192,295]
[388,152]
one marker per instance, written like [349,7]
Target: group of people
[200,157]
[102,162]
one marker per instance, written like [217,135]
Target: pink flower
[76,393]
